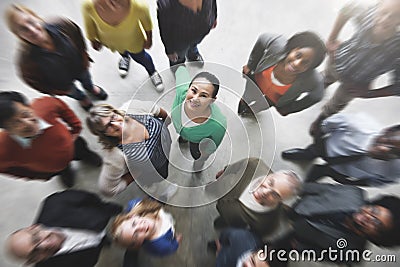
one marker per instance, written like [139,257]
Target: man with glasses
[70,231]
[256,199]
[353,147]
[40,139]
[339,217]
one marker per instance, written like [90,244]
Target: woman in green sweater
[195,116]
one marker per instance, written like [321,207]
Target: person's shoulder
[139,5]
[164,4]
[4,139]
[46,102]
[87,5]
[217,115]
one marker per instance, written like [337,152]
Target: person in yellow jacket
[124,26]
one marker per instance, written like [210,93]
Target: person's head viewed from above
[378,221]
[26,25]
[202,92]
[304,51]
[34,243]
[387,145]
[16,115]
[106,122]
[274,188]
[130,230]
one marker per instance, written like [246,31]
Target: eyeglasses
[269,195]
[37,239]
[113,118]
[374,213]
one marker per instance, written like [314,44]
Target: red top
[269,89]
[51,151]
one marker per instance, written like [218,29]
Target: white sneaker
[157,81]
[123,66]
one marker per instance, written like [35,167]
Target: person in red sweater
[39,140]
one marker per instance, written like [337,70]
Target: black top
[181,26]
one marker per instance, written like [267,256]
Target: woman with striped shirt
[144,140]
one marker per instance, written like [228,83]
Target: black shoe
[219,223]
[68,176]
[102,95]
[92,158]
[196,58]
[182,140]
[123,66]
[86,104]
[297,154]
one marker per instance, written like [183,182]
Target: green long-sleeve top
[214,128]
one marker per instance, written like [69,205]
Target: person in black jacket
[69,231]
[183,25]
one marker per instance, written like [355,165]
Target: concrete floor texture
[226,50]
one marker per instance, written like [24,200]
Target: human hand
[148,43]
[96,45]
[332,46]
[214,24]
[178,238]
[219,174]
[173,57]
[245,70]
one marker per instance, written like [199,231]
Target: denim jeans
[144,59]
[189,51]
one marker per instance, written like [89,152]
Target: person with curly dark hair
[284,74]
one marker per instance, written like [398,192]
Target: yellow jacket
[129,35]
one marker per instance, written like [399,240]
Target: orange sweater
[269,89]
[51,151]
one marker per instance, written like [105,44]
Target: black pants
[318,171]
[81,151]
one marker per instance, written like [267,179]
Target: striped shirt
[156,148]
[359,60]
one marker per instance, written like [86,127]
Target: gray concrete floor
[239,24]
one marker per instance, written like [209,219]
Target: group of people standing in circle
[280,72]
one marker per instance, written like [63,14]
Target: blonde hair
[96,127]
[11,14]
[145,208]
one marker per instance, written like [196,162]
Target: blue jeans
[190,51]
[86,81]
[144,59]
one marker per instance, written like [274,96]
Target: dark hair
[311,40]
[390,237]
[7,108]
[209,77]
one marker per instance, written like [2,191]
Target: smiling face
[274,188]
[35,243]
[199,96]
[135,230]
[299,60]
[24,123]
[113,125]
[372,220]
[29,28]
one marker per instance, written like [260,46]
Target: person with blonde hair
[144,139]
[145,225]
[53,55]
